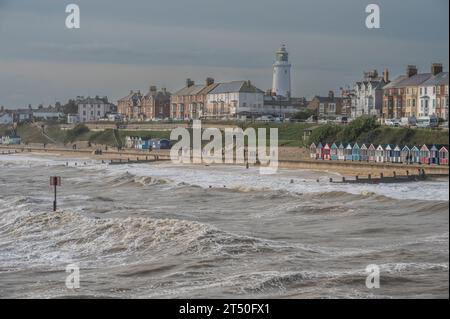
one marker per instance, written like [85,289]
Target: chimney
[411,70]
[386,75]
[436,68]
[164,90]
[209,81]
[331,95]
[189,82]
[153,89]
[131,92]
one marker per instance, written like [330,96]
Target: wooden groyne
[394,178]
[9,152]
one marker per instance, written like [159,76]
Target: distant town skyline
[123,46]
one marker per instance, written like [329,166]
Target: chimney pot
[331,95]
[436,68]
[411,70]
[386,75]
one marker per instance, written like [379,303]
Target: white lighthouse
[282,74]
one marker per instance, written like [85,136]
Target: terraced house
[228,100]
[130,106]
[190,102]
[401,97]
[153,105]
[156,104]
[433,96]
[368,94]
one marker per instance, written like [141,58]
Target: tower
[281,84]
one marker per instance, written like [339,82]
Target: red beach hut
[326,152]
[424,154]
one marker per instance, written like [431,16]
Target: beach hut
[443,155]
[348,152]
[334,152]
[326,152]
[364,153]
[388,150]
[396,154]
[312,150]
[341,152]
[319,151]
[379,154]
[424,154]
[414,155]
[405,155]
[371,153]
[434,155]
[356,152]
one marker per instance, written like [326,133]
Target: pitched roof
[395,83]
[416,80]
[438,79]
[235,86]
[327,99]
[130,96]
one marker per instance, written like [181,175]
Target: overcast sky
[133,44]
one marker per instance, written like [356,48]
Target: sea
[163,230]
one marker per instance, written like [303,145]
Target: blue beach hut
[356,152]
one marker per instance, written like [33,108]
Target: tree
[304,115]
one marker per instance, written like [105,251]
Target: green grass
[289,134]
[366,130]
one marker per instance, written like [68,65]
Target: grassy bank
[367,130]
[362,130]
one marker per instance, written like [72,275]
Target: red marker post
[55,181]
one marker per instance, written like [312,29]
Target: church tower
[281,84]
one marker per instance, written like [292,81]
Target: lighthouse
[281,84]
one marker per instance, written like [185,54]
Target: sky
[124,45]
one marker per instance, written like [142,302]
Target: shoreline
[285,162]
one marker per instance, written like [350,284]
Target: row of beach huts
[425,154]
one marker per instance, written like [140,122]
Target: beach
[160,230]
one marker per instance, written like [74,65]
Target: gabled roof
[414,148]
[433,148]
[406,147]
[130,96]
[372,147]
[363,146]
[443,148]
